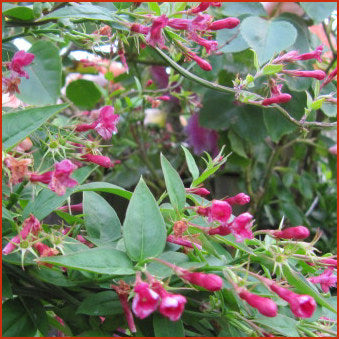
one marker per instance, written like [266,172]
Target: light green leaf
[164,327]
[144,229]
[44,83]
[19,12]
[18,125]
[272,69]
[240,8]
[319,11]
[262,35]
[154,7]
[192,166]
[101,221]
[280,324]
[174,185]
[104,187]
[103,260]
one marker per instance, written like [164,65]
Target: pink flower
[121,53]
[149,82]
[20,60]
[228,23]
[220,230]
[210,282]
[329,78]
[316,54]
[171,305]
[329,262]
[18,168]
[202,210]
[106,124]
[137,28]
[61,177]
[100,160]
[318,74]
[333,149]
[219,211]
[326,280]
[145,300]
[84,127]
[265,306]
[31,225]
[154,37]
[297,232]
[200,23]
[278,99]
[302,306]
[44,178]
[73,208]
[239,199]
[210,45]
[10,85]
[203,192]
[203,64]
[203,6]
[183,242]
[241,227]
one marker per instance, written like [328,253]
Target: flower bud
[210,282]
[265,306]
[318,74]
[316,54]
[228,23]
[73,208]
[201,62]
[44,178]
[183,242]
[297,232]
[198,191]
[278,99]
[239,199]
[220,230]
[100,160]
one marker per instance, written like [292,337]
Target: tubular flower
[183,242]
[227,23]
[73,208]
[45,251]
[302,306]
[84,127]
[123,291]
[137,28]
[164,98]
[203,6]
[329,262]
[210,45]
[220,230]
[219,211]
[171,305]
[100,160]
[18,169]
[241,227]
[278,99]
[326,280]
[297,232]
[44,178]
[145,301]
[61,177]
[155,37]
[318,74]
[203,64]
[316,54]
[203,192]
[199,23]
[239,199]
[106,123]
[329,78]
[19,61]
[30,226]
[210,282]
[265,306]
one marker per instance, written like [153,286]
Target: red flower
[30,226]
[265,306]
[171,305]
[20,60]
[44,178]
[61,177]
[145,300]
[297,232]
[239,199]
[228,23]
[220,230]
[137,28]
[318,74]
[203,192]
[326,280]
[106,123]
[201,62]
[241,227]
[278,99]
[154,37]
[100,160]
[210,282]
[219,211]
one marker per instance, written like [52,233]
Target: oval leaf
[144,229]
[164,327]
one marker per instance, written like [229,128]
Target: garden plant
[169,169]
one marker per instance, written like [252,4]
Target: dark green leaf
[174,185]
[319,11]
[281,324]
[101,221]
[104,260]
[6,286]
[44,83]
[102,303]
[144,229]
[262,35]
[164,327]
[83,93]
[19,13]
[192,166]
[18,125]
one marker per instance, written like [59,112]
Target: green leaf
[6,286]
[44,83]
[83,93]
[230,241]
[47,201]
[317,104]
[262,35]
[18,125]
[281,324]
[192,166]
[237,144]
[103,260]
[301,284]
[319,11]
[80,11]
[231,40]
[102,303]
[164,327]
[17,322]
[6,214]
[19,13]
[174,185]
[239,8]
[104,187]
[154,7]
[101,221]
[272,69]
[329,109]
[144,228]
